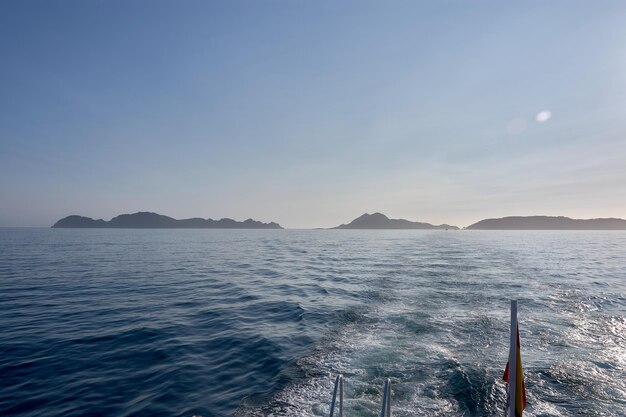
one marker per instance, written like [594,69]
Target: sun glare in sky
[543,116]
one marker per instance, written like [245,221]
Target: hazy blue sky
[311,113]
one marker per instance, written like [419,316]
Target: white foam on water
[366,354]
[446,358]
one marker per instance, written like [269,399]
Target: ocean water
[258,322]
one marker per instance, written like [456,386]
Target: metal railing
[384,412]
[338,386]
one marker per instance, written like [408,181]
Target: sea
[123,322]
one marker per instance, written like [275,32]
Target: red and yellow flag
[520,388]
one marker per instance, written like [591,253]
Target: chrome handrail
[338,387]
[386,410]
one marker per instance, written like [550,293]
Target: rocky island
[380,221]
[548,223]
[148,220]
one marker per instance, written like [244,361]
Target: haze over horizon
[311,114]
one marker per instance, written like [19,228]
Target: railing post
[383,411]
[340,395]
[386,410]
[332,404]
[338,387]
[388,397]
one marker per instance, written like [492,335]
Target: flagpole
[513,360]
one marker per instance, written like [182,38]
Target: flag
[520,388]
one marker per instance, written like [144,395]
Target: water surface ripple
[257,322]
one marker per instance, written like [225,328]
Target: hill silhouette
[148,220]
[548,223]
[380,221]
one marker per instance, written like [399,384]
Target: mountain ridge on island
[149,220]
[548,223]
[380,221]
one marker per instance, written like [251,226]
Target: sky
[312,113]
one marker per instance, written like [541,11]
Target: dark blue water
[254,323]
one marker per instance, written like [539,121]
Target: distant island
[548,223]
[380,221]
[147,220]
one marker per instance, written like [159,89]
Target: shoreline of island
[374,221]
